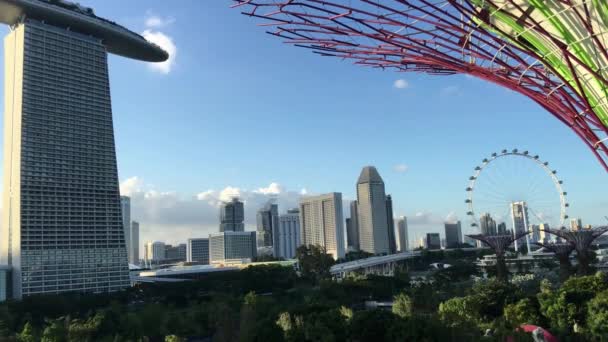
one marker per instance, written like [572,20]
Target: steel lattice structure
[499,244]
[581,240]
[552,51]
[562,252]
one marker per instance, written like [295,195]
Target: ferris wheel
[511,180]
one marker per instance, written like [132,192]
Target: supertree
[499,244]
[581,240]
[552,51]
[562,252]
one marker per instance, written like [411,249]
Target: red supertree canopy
[552,51]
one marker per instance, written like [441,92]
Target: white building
[519,217]
[403,234]
[134,256]
[322,223]
[227,246]
[372,212]
[155,251]
[198,251]
[287,235]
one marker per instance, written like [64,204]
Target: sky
[237,112]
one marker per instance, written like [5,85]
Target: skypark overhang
[117,39]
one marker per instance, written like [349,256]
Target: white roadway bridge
[381,265]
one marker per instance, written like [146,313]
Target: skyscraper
[390,222]
[267,222]
[487,224]
[154,251]
[544,236]
[403,234]
[134,257]
[62,228]
[232,215]
[519,217]
[433,241]
[576,224]
[125,209]
[322,223]
[352,232]
[453,235]
[198,251]
[229,246]
[287,235]
[372,218]
[501,229]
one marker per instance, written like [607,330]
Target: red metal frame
[435,37]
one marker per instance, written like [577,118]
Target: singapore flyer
[512,191]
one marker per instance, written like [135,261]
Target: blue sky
[238,108]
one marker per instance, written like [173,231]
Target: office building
[471,242]
[535,233]
[125,209]
[62,228]
[322,223]
[352,230]
[267,222]
[433,241]
[487,224]
[576,224]
[545,237]
[519,217]
[501,229]
[390,222]
[230,246]
[134,257]
[198,251]
[372,218]
[403,234]
[453,235]
[154,251]
[287,235]
[176,253]
[232,215]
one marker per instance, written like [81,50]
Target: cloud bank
[153,34]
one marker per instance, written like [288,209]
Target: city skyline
[171,192]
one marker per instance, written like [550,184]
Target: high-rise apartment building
[232,215]
[576,224]
[232,246]
[62,228]
[544,236]
[372,212]
[352,231]
[134,257]
[501,229]
[125,209]
[433,241]
[519,217]
[267,222]
[403,234]
[155,251]
[487,224]
[390,222]
[453,235]
[322,223]
[287,235]
[198,251]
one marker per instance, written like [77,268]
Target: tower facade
[519,217]
[403,234]
[134,256]
[453,235]
[62,228]
[287,235]
[125,209]
[372,218]
[352,231]
[232,215]
[322,224]
[267,222]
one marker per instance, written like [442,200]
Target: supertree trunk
[499,244]
[562,252]
[502,273]
[583,267]
[581,241]
[565,268]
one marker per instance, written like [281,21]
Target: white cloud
[401,84]
[173,217]
[401,168]
[451,218]
[154,21]
[166,42]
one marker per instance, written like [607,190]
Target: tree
[28,334]
[402,305]
[174,338]
[371,325]
[566,308]
[459,312]
[524,311]
[597,317]
[314,262]
[55,331]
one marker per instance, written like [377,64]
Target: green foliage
[402,305]
[373,325]
[174,338]
[314,262]
[597,317]
[55,331]
[459,312]
[28,334]
[566,308]
[524,311]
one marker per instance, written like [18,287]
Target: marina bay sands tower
[61,220]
